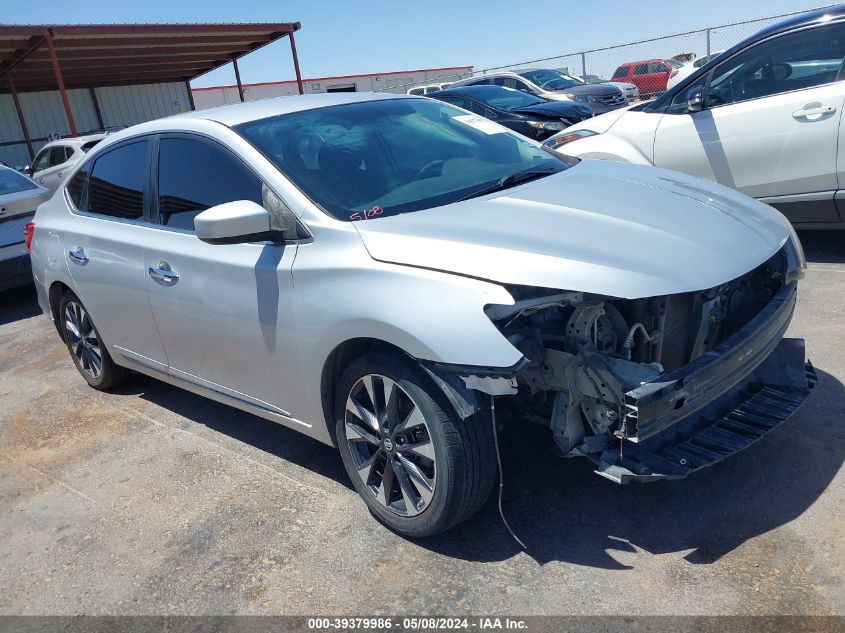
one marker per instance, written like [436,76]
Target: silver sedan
[19,196]
[388,273]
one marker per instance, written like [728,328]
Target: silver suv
[388,273]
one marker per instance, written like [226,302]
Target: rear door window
[641,69]
[194,175]
[117,183]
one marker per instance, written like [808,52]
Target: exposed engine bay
[586,353]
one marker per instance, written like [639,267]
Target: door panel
[226,321]
[103,253]
[224,311]
[758,146]
[107,268]
[771,123]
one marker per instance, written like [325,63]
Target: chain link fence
[602,63]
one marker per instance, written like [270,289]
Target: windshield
[378,158]
[13,182]
[674,64]
[549,79]
[504,98]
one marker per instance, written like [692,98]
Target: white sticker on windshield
[480,123]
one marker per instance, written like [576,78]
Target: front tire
[418,466]
[86,347]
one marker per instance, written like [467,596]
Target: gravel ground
[150,500]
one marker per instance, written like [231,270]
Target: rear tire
[86,347]
[418,466]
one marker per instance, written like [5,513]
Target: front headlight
[547,125]
[582,98]
[562,139]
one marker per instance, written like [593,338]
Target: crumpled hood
[608,228]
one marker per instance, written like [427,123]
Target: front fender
[606,147]
[430,315]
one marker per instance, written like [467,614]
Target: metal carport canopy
[49,57]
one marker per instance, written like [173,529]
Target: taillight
[28,230]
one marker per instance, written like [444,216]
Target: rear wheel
[419,467]
[86,348]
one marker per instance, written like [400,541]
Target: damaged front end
[658,387]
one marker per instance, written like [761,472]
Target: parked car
[56,159]
[689,68]
[631,92]
[529,115]
[764,118]
[19,196]
[378,271]
[650,76]
[552,85]
[424,90]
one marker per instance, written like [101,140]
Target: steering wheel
[430,167]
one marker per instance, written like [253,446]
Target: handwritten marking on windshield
[366,214]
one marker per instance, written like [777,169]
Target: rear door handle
[816,112]
[78,256]
[163,273]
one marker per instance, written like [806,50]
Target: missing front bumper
[762,401]
[716,405]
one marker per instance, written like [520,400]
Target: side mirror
[233,223]
[27,170]
[695,99]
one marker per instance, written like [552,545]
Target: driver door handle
[164,274]
[816,111]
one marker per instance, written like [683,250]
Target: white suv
[57,158]
[763,117]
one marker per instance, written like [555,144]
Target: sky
[346,37]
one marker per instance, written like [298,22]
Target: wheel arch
[54,295]
[340,358]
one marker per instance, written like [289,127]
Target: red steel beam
[238,79]
[296,63]
[165,29]
[125,42]
[97,111]
[21,118]
[22,55]
[60,80]
[190,95]
[225,52]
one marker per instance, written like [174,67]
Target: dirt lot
[151,500]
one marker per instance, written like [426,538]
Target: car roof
[804,19]
[237,113]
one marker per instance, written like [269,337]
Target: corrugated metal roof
[95,55]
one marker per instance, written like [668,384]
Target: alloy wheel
[390,444]
[82,339]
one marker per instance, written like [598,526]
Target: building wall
[119,106]
[389,82]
